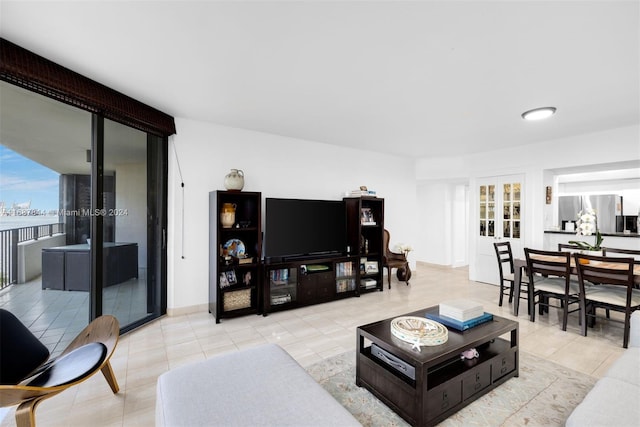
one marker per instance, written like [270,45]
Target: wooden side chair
[28,376]
[507,277]
[568,247]
[550,277]
[614,291]
[391,260]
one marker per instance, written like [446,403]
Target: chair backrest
[624,253]
[605,271]
[20,351]
[504,254]
[548,263]
[385,242]
[568,247]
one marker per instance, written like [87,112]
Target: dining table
[519,264]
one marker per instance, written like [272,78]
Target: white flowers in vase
[405,249]
[587,225]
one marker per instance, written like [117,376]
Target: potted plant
[587,225]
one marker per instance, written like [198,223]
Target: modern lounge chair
[28,375]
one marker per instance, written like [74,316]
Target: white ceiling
[420,78]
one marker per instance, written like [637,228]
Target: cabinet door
[499,219]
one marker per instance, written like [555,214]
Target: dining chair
[27,374]
[568,247]
[615,289]
[625,253]
[550,277]
[506,270]
[391,260]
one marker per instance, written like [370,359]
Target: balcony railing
[9,240]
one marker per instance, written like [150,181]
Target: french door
[499,219]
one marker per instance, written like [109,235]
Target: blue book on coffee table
[458,325]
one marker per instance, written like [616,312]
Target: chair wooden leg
[583,317]
[107,371]
[532,305]
[565,315]
[26,412]
[511,286]
[501,293]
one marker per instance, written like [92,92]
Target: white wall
[277,167]
[601,148]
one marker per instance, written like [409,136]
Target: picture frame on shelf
[246,278]
[371,267]
[366,217]
[224,282]
[231,277]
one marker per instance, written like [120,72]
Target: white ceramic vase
[234,180]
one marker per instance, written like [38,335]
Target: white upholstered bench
[261,386]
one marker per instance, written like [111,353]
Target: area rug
[544,394]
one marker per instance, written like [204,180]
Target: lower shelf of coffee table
[447,387]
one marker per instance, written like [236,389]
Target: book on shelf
[368,283]
[461,309]
[365,193]
[458,325]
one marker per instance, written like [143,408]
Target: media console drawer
[442,398]
[503,364]
[479,378]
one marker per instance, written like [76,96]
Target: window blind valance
[38,74]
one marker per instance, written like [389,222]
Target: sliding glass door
[102,249]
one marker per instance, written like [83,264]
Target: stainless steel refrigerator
[607,207]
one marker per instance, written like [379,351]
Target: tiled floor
[309,335]
[56,317]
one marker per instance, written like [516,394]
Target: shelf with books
[235,244]
[346,276]
[365,227]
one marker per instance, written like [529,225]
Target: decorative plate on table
[235,248]
[419,330]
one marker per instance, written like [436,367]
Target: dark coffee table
[443,382]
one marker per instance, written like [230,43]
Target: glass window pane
[516,229]
[506,211]
[483,193]
[516,210]
[483,211]
[44,149]
[507,192]
[492,193]
[491,211]
[516,191]
[483,228]
[506,229]
[125,286]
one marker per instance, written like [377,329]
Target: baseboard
[179,311]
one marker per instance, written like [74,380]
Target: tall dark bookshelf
[365,229]
[235,276]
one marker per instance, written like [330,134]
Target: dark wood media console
[299,283]
[443,383]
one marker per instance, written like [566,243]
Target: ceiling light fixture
[539,113]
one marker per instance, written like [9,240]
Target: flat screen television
[304,228]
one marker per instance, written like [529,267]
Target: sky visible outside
[23,180]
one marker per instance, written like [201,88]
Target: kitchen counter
[609,240]
[586,237]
